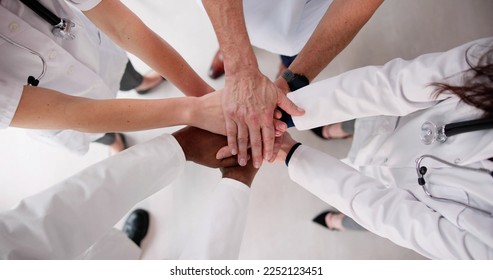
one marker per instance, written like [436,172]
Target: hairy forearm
[229,22]
[336,30]
[130,33]
[41,108]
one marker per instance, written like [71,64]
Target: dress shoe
[149,82]
[217,66]
[321,220]
[136,225]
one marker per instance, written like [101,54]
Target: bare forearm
[229,22]
[130,33]
[336,30]
[41,108]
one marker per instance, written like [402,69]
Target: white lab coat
[74,218]
[392,102]
[90,66]
[282,26]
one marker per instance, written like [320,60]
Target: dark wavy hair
[477,89]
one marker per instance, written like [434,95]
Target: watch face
[288,75]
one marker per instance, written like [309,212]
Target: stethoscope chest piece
[64,29]
[430,133]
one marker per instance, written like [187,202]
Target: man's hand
[201,146]
[244,174]
[249,101]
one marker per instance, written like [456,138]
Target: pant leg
[350,224]
[287,60]
[131,78]
[348,126]
[107,139]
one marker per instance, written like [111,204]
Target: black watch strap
[295,81]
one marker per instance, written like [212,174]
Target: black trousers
[131,78]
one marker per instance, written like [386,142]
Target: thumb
[223,153]
[288,105]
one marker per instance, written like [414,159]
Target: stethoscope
[431,133]
[30,80]
[62,28]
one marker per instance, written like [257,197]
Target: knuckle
[231,132]
[243,140]
[253,119]
[256,145]
[230,113]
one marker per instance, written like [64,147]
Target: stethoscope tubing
[468,126]
[43,72]
[422,182]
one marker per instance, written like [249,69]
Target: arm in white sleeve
[220,231]
[66,219]
[398,88]
[392,213]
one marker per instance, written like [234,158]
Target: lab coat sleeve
[392,213]
[398,88]
[220,231]
[11,96]
[63,221]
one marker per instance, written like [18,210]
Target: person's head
[477,89]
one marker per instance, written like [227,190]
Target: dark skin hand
[244,174]
[201,146]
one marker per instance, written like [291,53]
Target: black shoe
[320,219]
[318,132]
[136,225]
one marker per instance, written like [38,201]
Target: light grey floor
[279,217]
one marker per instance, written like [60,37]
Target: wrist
[190,110]
[294,81]
[237,61]
[286,146]
[236,173]
[291,152]
[282,84]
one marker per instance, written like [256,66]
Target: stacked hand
[249,101]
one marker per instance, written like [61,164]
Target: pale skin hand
[249,97]
[287,143]
[249,107]
[41,108]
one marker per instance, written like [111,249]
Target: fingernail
[300,110]
[234,152]
[242,162]
[256,164]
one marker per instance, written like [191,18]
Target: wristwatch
[295,81]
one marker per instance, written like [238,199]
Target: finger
[228,162]
[224,152]
[288,106]
[232,134]
[242,144]
[277,148]
[268,136]
[277,114]
[256,145]
[280,126]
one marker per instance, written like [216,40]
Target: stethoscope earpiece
[32,81]
[423,170]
